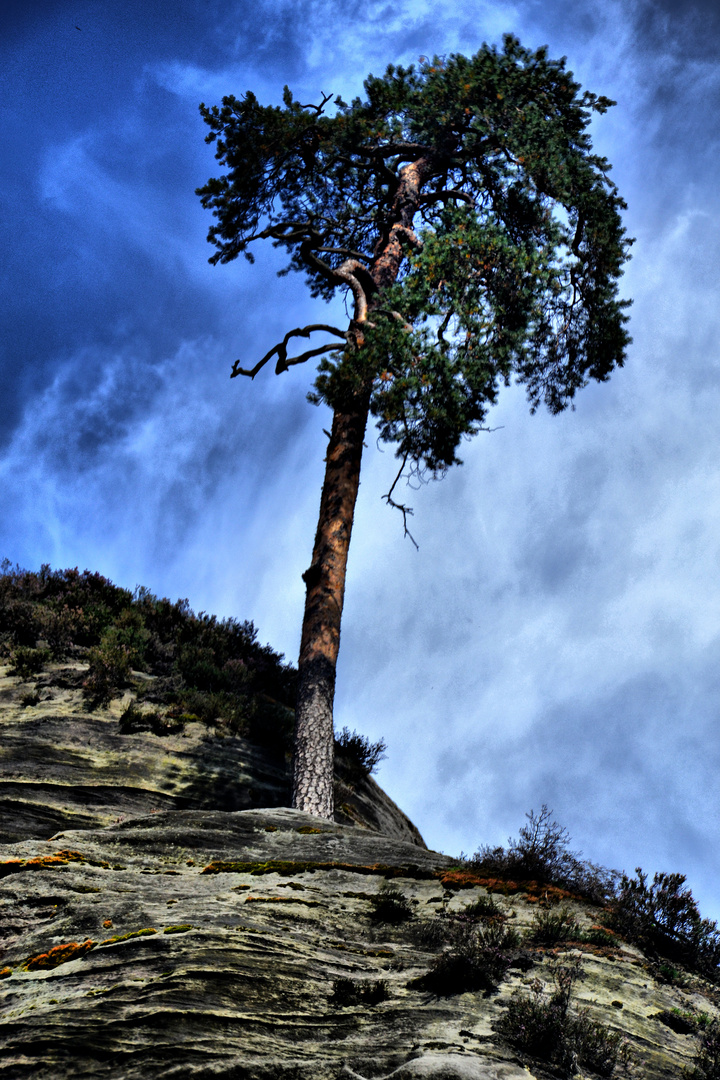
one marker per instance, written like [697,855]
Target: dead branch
[406,511]
[319,108]
[281,350]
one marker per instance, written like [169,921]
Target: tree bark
[313,764]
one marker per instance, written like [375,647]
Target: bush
[109,672]
[347,993]
[542,853]
[541,1025]
[209,668]
[549,927]
[476,960]
[134,721]
[359,755]
[390,906]
[707,1060]
[663,918]
[484,909]
[28,661]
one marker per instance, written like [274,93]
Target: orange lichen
[5,972]
[108,923]
[40,862]
[60,954]
[535,891]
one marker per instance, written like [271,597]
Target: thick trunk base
[313,771]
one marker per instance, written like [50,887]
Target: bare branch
[281,350]
[319,108]
[406,511]
[283,365]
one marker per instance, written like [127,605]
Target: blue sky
[556,638]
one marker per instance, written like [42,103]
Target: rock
[200,938]
[65,766]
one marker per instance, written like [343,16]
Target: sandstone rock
[199,937]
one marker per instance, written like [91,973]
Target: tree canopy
[511,248]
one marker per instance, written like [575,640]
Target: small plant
[549,927]
[484,910]
[109,671]
[360,756]
[390,905]
[541,1025]
[134,720]
[707,1060]
[29,699]
[347,993]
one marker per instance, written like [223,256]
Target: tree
[461,211]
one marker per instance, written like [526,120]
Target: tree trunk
[313,764]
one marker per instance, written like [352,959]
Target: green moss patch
[126,937]
[181,928]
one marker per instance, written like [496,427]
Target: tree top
[460,207]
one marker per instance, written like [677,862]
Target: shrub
[109,671]
[707,1060]
[549,927]
[347,993]
[663,919]
[541,1025]
[542,853]
[134,720]
[28,661]
[390,905]
[483,909]
[360,756]
[476,960]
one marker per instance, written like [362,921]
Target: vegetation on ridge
[203,668]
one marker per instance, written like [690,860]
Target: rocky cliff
[163,916]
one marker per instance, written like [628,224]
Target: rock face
[63,766]
[194,938]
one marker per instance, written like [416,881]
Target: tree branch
[281,349]
[319,108]
[406,511]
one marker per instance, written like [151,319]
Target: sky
[556,638]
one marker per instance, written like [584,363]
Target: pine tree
[461,210]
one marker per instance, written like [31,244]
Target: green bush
[134,720]
[109,671]
[212,669]
[28,661]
